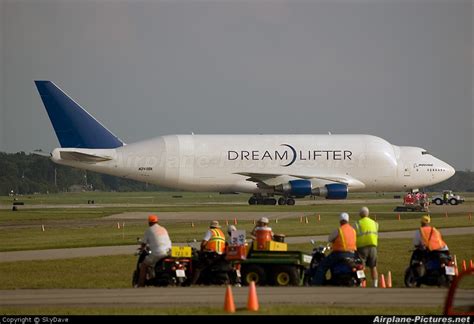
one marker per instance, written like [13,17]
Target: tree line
[29,173]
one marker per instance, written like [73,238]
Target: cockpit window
[424,152]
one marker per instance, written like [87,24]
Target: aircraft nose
[449,170]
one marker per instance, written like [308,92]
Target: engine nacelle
[303,188]
[335,191]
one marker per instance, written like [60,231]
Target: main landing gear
[260,200]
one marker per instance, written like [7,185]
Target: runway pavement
[55,254]
[208,296]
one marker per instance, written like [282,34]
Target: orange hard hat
[152,219]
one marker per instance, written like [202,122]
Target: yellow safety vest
[367,232]
[216,242]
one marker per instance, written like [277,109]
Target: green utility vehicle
[277,268]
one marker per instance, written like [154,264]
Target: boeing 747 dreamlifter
[289,166]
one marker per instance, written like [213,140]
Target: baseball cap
[344,216]
[152,219]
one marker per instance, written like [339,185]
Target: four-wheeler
[173,270]
[432,268]
[348,272]
[448,197]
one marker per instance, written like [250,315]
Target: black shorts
[369,255]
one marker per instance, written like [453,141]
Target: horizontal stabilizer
[83,157]
[73,125]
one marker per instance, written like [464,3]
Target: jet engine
[303,188]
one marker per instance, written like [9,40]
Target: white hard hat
[231,228]
[344,216]
[264,220]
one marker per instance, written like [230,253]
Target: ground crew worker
[343,242]
[214,239]
[158,240]
[428,242]
[213,244]
[428,237]
[262,234]
[367,240]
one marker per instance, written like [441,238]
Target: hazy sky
[401,70]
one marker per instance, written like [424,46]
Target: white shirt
[333,236]
[207,236]
[158,240]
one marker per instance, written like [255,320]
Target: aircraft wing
[273,179]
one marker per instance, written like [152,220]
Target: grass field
[116,271]
[86,226]
[94,231]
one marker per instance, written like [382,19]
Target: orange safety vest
[346,240]
[432,238]
[263,236]
[217,241]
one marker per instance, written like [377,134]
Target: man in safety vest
[428,242]
[158,240]
[428,237]
[367,240]
[214,239]
[262,233]
[212,245]
[343,242]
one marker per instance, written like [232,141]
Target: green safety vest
[367,232]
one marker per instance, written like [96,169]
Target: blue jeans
[327,263]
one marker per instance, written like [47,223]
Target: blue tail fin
[73,125]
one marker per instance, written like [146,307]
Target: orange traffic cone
[382,281]
[254,221]
[389,279]
[306,220]
[301,219]
[464,266]
[471,264]
[398,216]
[235,220]
[363,283]
[118,225]
[229,305]
[227,222]
[252,303]
[319,217]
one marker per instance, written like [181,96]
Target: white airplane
[289,166]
